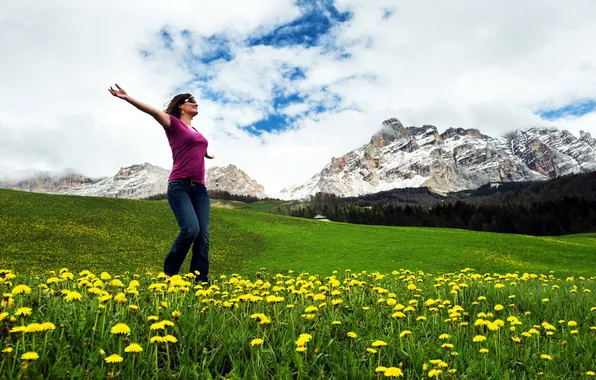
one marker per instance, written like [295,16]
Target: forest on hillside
[563,205]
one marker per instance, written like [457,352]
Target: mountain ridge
[455,160]
[136,181]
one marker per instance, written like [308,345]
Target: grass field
[44,232]
[290,298]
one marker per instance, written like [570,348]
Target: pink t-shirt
[188,151]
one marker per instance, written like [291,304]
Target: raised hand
[119,93]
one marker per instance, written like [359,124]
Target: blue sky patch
[317,19]
[166,38]
[577,108]
[270,123]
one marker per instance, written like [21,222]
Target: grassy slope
[43,232]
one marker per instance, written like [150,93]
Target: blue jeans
[191,206]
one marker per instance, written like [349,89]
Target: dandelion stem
[168,355]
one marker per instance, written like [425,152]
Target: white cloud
[462,63]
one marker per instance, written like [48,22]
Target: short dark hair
[173,107]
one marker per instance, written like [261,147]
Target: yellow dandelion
[21,289]
[479,338]
[73,296]
[133,347]
[371,350]
[546,357]
[31,355]
[300,349]
[34,328]
[380,369]
[114,358]
[405,333]
[434,373]
[157,339]
[447,346]
[261,318]
[170,338]
[590,373]
[23,311]
[393,372]
[499,307]
[303,339]
[311,309]
[378,343]
[158,326]
[352,335]
[483,350]
[444,336]
[256,342]
[120,328]
[572,324]
[7,350]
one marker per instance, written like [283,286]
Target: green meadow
[43,232]
[83,297]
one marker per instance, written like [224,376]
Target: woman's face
[190,106]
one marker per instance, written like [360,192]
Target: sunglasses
[190,100]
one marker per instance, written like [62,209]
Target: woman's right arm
[161,117]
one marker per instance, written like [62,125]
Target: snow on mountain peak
[457,159]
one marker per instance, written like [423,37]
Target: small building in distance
[321,218]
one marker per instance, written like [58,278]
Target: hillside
[43,232]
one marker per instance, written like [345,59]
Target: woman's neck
[186,119]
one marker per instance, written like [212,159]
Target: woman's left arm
[207,155]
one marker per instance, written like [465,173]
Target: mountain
[458,159]
[232,180]
[135,182]
[46,182]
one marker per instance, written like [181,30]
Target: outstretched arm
[208,155]
[161,117]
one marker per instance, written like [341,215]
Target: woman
[187,194]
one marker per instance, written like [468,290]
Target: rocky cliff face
[233,180]
[137,182]
[134,182]
[45,182]
[457,159]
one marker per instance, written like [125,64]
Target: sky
[283,86]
